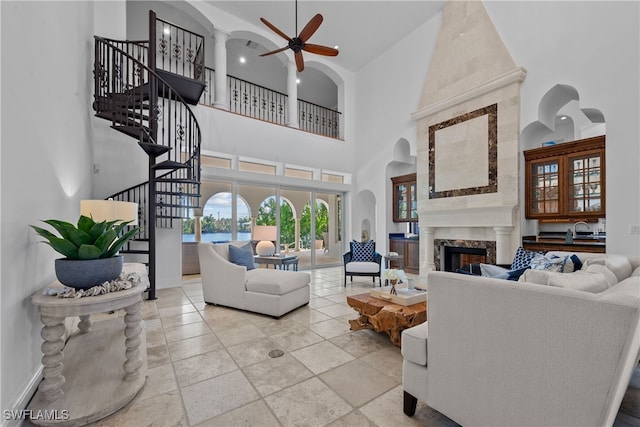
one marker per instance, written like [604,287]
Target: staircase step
[169,165]
[177,193]
[122,115]
[154,150]
[134,251]
[178,180]
[137,132]
[189,89]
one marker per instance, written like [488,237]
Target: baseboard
[21,401]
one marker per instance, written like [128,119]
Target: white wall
[45,166]
[388,90]
[592,46]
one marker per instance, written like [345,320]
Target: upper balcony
[252,100]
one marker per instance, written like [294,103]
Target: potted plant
[91,250]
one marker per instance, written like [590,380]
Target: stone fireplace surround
[470,70]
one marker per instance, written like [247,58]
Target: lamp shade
[110,210]
[265,232]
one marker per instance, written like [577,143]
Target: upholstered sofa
[267,291]
[495,352]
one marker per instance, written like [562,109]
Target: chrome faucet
[575,225]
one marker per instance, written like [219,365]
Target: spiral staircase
[144,89]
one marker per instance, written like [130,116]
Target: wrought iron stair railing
[143,105]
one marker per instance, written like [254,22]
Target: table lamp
[266,234]
[110,210]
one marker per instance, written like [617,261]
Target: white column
[504,255]
[220,65]
[297,234]
[427,237]
[197,225]
[292,94]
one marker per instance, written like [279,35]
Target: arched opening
[216,221]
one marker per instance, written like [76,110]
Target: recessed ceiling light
[167,30]
[563,117]
[336,47]
[243,59]
[298,81]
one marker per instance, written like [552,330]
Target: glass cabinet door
[414,200]
[585,183]
[401,200]
[545,190]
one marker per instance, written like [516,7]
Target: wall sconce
[110,210]
[266,234]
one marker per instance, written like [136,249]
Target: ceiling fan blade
[275,29]
[320,50]
[275,51]
[310,28]
[299,61]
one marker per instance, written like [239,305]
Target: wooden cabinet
[405,198]
[409,249]
[566,181]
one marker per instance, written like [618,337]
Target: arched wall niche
[364,214]
[561,118]
[402,163]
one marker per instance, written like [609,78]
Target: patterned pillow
[552,263]
[522,258]
[362,251]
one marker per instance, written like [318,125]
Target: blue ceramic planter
[84,274]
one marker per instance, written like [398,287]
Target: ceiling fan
[299,43]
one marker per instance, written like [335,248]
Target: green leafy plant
[89,240]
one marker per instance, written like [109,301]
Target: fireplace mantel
[490,216]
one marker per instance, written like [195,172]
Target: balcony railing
[252,100]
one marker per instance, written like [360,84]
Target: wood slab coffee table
[385,316]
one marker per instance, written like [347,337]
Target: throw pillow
[515,274]
[242,257]
[490,270]
[636,272]
[552,263]
[577,263]
[522,258]
[362,251]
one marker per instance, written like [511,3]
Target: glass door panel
[328,248]
[544,181]
[585,179]
[414,201]
[295,226]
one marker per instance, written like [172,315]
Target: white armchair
[267,291]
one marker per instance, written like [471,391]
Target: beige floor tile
[193,346]
[155,337]
[309,316]
[152,325]
[310,403]
[330,328]
[176,310]
[254,351]
[231,337]
[293,340]
[182,319]
[278,326]
[357,383]
[322,356]
[275,374]
[255,414]
[189,330]
[318,302]
[202,367]
[324,292]
[172,301]
[160,380]
[386,410]
[387,360]
[162,411]
[157,356]
[216,396]
[223,323]
[352,419]
[336,310]
[358,343]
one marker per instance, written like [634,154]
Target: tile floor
[210,366]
